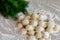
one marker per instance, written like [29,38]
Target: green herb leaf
[12,7]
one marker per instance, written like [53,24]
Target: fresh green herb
[12,7]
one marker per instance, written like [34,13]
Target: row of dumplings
[37,26]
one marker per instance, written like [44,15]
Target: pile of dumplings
[37,25]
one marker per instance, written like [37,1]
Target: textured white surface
[7,26]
